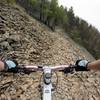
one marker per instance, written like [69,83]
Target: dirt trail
[31,42]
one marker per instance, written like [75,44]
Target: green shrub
[11,1]
[8,1]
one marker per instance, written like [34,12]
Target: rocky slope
[31,42]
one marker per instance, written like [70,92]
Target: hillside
[50,13]
[31,42]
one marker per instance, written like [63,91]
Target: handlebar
[29,69]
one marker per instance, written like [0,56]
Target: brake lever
[70,69]
[19,70]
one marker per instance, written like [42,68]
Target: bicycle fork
[47,86]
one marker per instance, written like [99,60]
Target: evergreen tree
[71,18]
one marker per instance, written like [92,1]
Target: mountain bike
[47,87]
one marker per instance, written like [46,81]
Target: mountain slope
[31,42]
